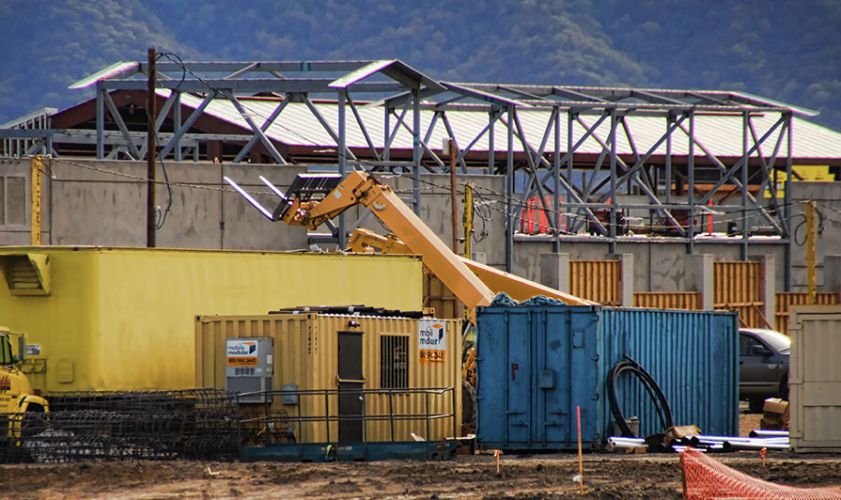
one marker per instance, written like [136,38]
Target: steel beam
[264,127]
[267,143]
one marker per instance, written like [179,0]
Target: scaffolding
[571,119]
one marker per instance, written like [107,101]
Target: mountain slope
[789,51]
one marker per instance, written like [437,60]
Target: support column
[554,271]
[509,195]
[699,277]
[100,121]
[769,286]
[341,239]
[626,280]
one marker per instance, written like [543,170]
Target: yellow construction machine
[315,199]
[18,400]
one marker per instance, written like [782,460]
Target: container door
[518,411]
[351,400]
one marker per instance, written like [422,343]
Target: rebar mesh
[156,425]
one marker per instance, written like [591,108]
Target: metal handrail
[426,416]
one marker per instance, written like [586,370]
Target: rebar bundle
[154,425]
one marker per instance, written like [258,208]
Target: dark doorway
[351,401]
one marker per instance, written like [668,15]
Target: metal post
[744,171]
[176,125]
[342,133]
[35,212]
[810,250]
[100,121]
[416,149]
[468,220]
[667,195]
[428,435]
[491,139]
[386,133]
[787,204]
[509,195]
[612,228]
[453,193]
[690,173]
[556,184]
[151,148]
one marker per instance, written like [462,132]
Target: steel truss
[548,162]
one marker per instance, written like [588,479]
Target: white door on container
[815,380]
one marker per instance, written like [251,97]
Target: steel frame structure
[547,162]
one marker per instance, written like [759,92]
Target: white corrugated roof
[722,134]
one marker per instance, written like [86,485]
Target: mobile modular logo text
[432,340]
[241,352]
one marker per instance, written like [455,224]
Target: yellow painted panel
[123,319]
[802,173]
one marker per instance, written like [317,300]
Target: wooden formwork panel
[738,286]
[785,301]
[691,301]
[596,280]
[436,295]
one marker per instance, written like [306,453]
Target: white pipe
[768,433]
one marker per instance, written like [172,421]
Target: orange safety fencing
[705,477]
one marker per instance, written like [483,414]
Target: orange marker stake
[762,453]
[497,454]
[580,456]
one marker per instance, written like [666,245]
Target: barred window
[394,362]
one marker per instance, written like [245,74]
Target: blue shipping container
[537,363]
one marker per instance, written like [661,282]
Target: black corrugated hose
[660,403]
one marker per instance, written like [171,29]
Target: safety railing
[381,414]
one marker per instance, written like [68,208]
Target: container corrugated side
[815,379]
[306,354]
[693,356]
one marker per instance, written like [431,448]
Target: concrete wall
[103,203]
[90,202]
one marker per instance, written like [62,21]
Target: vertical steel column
[556,185]
[151,148]
[668,173]
[176,125]
[416,149]
[612,229]
[744,171]
[787,203]
[340,237]
[572,223]
[690,173]
[509,195]
[386,133]
[35,209]
[491,141]
[100,121]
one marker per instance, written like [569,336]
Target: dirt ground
[606,475]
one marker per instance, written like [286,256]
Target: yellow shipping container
[312,349]
[123,319]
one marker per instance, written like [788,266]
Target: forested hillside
[785,50]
